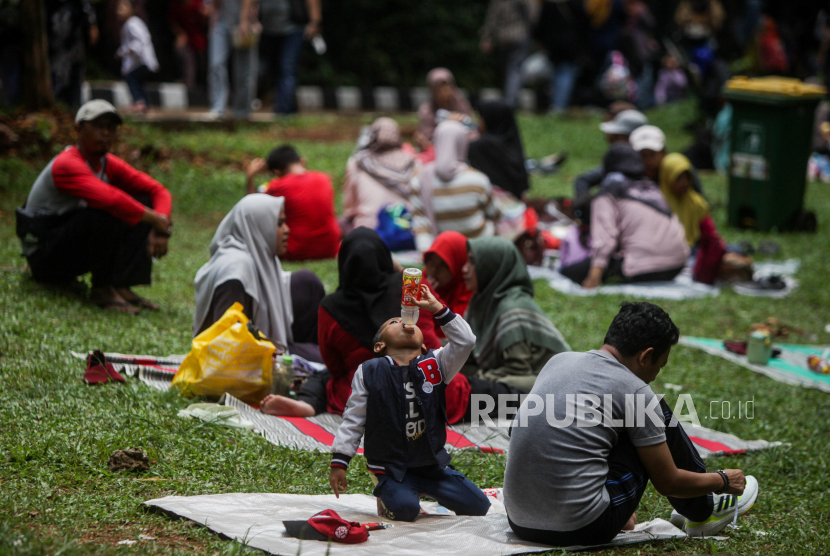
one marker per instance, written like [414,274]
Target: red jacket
[70,175]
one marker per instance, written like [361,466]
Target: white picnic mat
[256,520]
[682,287]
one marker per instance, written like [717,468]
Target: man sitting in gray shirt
[591,434]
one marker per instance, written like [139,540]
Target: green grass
[57,496]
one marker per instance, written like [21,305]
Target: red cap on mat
[327,525]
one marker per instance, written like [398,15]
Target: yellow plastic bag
[227,358]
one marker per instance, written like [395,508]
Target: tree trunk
[37,78]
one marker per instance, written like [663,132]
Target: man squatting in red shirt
[89,211]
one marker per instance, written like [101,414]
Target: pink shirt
[364,196]
[645,239]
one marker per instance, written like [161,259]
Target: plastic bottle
[411,292]
[282,375]
[759,347]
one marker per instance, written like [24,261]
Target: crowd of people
[481,334]
[589,52]
[650,53]
[638,216]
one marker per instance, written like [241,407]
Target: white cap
[95,108]
[648,137]
[624,123]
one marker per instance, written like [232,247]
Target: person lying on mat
[89,211]
[405,449]
[579,481]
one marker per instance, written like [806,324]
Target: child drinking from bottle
[398,405]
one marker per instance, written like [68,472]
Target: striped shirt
[464,204]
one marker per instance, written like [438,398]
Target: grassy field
[57,496]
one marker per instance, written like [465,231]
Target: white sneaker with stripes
[723,514]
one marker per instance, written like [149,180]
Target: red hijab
[451,247]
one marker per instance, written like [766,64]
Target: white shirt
[136,47]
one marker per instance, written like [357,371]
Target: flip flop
[142,303]
[115,305]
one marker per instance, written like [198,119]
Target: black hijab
[498,152]
[369,292]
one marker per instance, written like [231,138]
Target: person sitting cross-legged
[591,434]
[89,211]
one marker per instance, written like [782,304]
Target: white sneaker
[678,520]
[723,513]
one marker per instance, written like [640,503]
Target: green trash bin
[772,128]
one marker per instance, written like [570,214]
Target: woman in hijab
[376,176]
[514,337]
[444,95]
[444,262]
[635,237]
[676,184]
[449,194]
[244,267]
[498,152]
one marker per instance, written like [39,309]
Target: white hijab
[244,248]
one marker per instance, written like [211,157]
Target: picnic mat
[256,520]
[317,433]
[682,287]
[789,367]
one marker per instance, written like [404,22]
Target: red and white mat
[317,433]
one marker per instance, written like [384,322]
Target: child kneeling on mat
[398,403]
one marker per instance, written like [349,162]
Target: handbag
[228,357]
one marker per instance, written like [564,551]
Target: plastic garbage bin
[772,126]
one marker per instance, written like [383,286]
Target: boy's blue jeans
[448,487]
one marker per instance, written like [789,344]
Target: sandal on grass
[115,305]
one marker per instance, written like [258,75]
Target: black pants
[577,272]
[87,240]
[313,391]
[626,483]
[135,82]
[306,293]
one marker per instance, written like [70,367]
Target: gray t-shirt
[556,471]
[275,17]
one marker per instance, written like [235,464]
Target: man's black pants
[88,240]
[626,483]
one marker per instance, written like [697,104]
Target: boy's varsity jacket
[377,405]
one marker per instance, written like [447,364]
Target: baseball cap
[95,108]
[648,137]
[624,123]
[326,525]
